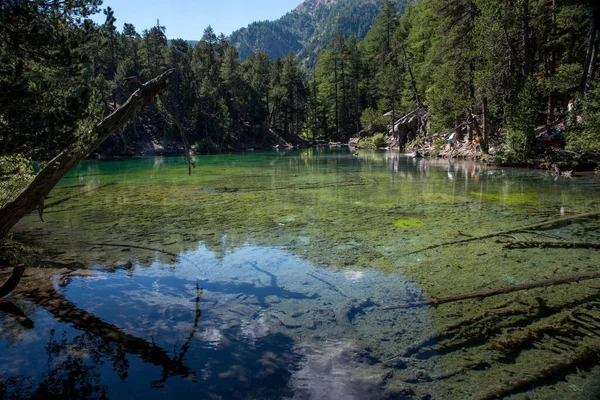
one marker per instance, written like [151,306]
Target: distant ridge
[309,28]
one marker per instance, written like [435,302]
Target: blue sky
[187,19]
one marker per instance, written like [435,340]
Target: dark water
[263,275]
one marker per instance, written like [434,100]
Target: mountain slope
[309,28]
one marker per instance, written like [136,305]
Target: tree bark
[526,39]
[484,125]
[33,196]
[590,57]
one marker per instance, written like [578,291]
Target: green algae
[509,198]
[408,223]
[331,209]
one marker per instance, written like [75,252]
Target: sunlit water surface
[263,275]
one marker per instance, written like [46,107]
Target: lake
[265,275]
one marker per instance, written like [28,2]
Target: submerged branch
[497,291]
[550,244]
[131,246]
[545,224]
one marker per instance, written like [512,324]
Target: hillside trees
[477,65]
[43,88]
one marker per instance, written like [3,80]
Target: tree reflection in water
[72,363]
[75,365]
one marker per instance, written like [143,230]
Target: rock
[287,321]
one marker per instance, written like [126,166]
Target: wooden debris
[551,244]
[570,361]
[545,224]
[497,291]
[131,246]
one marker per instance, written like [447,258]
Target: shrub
[585,136]
[373,121]
[521,143]
[205,146]
[372,142]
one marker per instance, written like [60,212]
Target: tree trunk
[337,119]
[526,39]
[484,125]
[413,83]
[590,58]
[33,196]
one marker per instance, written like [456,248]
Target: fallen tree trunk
[496,291]
[33,196]
[509,231]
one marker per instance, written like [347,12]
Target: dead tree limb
[131,246]
[13,281]
[545,224]
[32,196]
[549,244]
[496,291]
[186,144]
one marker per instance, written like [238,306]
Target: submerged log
[496,291]
[545,224]
[551,244]
[569,362]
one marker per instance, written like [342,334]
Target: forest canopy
[479,64]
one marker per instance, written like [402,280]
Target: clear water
[262,276]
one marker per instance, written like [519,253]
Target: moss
[509,198]
[408,223]
[335,211]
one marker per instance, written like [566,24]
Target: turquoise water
[263,275]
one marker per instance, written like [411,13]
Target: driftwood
[13,281]
[545,224]
[32,197]
[551,244]
[131,246]
[496,291]
[489,317]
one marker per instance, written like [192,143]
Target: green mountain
[310,28]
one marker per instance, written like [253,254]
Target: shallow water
[262,275]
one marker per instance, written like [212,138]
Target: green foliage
[521,124]
[205,146]
[371,142]
[586,135]
[43,88]
[373,120]
[310,28]
[16,172]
